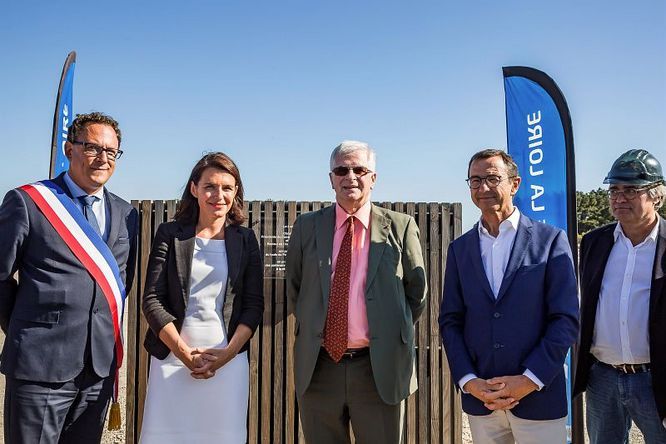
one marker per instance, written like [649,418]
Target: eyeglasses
[627,193]
[94,150]
[342,171]
[491,180]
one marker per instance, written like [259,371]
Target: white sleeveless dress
[179,408]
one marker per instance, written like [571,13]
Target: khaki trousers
[503,427]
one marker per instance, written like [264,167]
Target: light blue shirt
[98,207]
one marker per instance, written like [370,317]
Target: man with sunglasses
[71,242]
[509,313]
[622,352]
[356,282]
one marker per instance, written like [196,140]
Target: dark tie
[88,212]
[335,332]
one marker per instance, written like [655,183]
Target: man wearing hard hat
[622,352]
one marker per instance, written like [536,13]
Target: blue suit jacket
[531,324]
[56,315]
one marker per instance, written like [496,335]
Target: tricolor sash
[89,248]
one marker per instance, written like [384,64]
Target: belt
[629,368]
[351,353]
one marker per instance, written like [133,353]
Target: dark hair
[511,166]
[188,208]
[83,120]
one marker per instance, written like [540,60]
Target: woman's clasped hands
[207,361]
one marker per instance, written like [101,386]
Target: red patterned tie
[335,333]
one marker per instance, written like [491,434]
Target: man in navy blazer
[58,357]
[509,313]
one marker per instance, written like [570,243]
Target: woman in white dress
[203,300]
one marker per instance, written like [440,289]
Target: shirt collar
[510,222]
[617,233]
[362,214]
[77,191]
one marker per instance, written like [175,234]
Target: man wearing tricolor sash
[68,249]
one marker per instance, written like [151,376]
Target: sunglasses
[342,171]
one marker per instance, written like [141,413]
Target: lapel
[234,246]
[474,250]
[324,230]
[518,252]
[602,251]
[60,181]
[114,218]
[183,246]
[380,225]
[659,272]
[111,207]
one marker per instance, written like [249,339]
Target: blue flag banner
[540,139]
[63,117]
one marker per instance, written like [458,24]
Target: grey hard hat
[635,167]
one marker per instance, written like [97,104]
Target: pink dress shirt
[358,332]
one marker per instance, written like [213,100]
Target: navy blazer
[167,288]
[56,307]
[595,249]
[531,324]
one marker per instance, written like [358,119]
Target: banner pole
[62,117]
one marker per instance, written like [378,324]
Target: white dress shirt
[495,253]
[621,322]
[98,207]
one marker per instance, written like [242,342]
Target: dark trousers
[69,412]
[344,393]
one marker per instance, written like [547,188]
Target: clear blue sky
[277,84]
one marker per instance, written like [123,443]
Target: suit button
[96,310]
[497,345]
[497,315]
[320,335]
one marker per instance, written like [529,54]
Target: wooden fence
[433,413]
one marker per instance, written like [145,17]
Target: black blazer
[56,307]
[595,249]
[167,288]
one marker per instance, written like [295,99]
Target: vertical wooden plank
[305,208]
[247,213]
[434,285]
[171,207]
[267,330]
[422,356]
[290,401]
[457,219]
[142,368]
[456,222]
[254,219]
[279,324]
[159,213]
[447,424]
[132,348]
[411,407]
